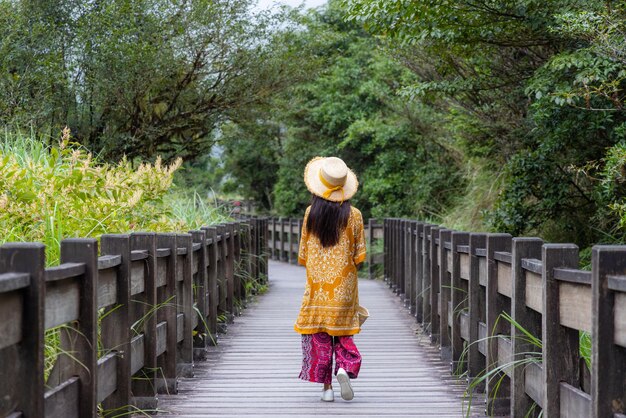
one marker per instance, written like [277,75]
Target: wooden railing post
[445,284]
[21,374]
[608,359]
[499,404]
[522,248]
[407,285]
[167,302]
[419,272]
[290,258]
[458,298]
[412,263]
[199,260]
[212,272]
[434,285]
[81,340]
[144,385]
[426,279]
[386,249]
[283,240]
[116,325]
[477,307]
[184,303]
[229,248]
[263,256]
[560,358]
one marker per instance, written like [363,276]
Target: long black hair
[327,220]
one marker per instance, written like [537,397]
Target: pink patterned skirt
[317,357]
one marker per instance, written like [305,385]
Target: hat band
[330,188]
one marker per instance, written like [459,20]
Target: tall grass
[48,193]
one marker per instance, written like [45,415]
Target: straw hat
[330,178]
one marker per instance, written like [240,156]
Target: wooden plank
[136,354]
[619,318]
[533,381]
[62,302]
[505,284]
[465,266]
[109,261]
[180,327]
[11,325]
[503,256]
[64,271]
[161,276]
[482,338]
[505,355]
[107,375]
[574,403]
[534,291]
[136,255]
[137,283]
[107,287]
[572,275]
[464,319]
[533,265]
[180,269]
[161,333]
[482,271]
[63,400]
[575,306]
[237,382]
[13,281]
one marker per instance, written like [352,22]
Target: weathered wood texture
[125,320]
[482,294]
[283,241]
[254,370]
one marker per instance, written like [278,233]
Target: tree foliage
[137,78]
[535,89]
[350,108]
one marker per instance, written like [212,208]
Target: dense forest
[483,115]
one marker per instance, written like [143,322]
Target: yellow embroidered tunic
[331,295]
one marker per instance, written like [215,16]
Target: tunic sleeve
[360,248]
[304,236]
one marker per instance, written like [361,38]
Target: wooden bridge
[135,322]
[254,370]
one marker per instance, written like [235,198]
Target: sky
[265,4]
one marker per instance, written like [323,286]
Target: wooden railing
[284,241]
[129,321]
[462,286]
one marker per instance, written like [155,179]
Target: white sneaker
[328,395]
[346,388]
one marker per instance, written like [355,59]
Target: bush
[48,193]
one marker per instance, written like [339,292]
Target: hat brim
[315,185]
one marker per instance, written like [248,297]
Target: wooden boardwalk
[254,370]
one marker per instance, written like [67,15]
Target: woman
[332,246]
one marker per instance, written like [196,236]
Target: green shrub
[48,193]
